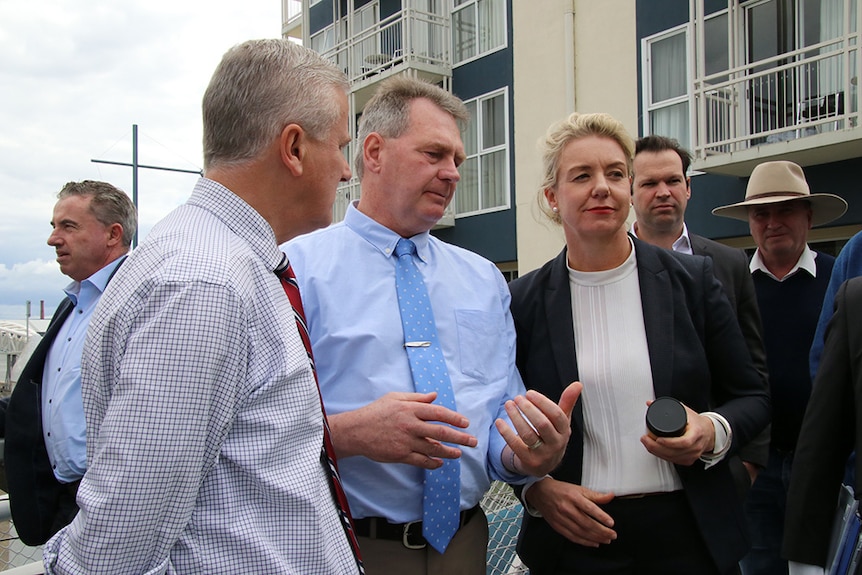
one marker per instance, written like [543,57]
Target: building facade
[738,82]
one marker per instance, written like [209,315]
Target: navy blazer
[697,355]
[34,492]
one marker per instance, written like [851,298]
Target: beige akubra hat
[783,181]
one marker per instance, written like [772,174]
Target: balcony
[409,40]
[801,106]
[291,19]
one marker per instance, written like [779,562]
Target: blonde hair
[575,127]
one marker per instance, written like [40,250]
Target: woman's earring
[555,209]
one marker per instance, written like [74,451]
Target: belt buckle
[405,537]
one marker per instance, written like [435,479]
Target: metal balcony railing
[795,95]
[409,37]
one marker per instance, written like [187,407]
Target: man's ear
[115,234]
[371,150]
[292,147]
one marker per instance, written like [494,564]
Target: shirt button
[49,434]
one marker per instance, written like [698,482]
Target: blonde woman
[631,322]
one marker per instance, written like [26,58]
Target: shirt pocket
[482,344]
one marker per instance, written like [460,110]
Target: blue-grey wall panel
[319,16]
[489,235]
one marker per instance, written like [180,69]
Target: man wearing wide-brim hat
[790,280]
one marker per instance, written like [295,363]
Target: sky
[74,77]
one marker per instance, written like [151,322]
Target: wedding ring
[539,443]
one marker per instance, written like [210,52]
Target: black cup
[665,417]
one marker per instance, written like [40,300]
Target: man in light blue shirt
[386,434]
[94,224]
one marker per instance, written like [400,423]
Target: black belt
[409,534]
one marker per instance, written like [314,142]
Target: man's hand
[699,438]
[401,428]
[538,445]
[573,511]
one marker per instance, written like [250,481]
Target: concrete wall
[569,55]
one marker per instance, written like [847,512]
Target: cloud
[76,76]
[36,281]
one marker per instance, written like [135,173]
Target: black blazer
[697,354]
[830,431]
[731,269]
[34,492]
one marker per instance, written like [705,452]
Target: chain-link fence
[504,521]
[13,553]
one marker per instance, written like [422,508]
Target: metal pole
[135,177]
[135,165]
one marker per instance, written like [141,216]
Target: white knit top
[614,367]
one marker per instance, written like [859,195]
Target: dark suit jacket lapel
[37,360]
[33,490]
[657,299]
[558,308]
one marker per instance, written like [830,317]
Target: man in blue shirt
[386,434]
[45,449]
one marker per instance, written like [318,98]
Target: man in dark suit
[660,193]
[45,451]
[829,432]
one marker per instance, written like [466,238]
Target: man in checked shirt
[204,423]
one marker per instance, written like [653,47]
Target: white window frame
[487,151]
[646,97]
[474,6]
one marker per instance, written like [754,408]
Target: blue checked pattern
[441,497]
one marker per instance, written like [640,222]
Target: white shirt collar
[682,244]
[805,262]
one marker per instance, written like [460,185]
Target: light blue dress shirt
[63,425]
[346,275]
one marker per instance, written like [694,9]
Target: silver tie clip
[417,344]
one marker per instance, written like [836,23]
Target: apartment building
[738,82]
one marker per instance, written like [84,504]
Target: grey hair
[575,127]
[108,204]
[388,111]
[258,88]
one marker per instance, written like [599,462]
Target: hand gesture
[538,445]
[401,428]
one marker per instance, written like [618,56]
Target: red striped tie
[327,453]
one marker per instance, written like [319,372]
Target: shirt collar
[682,244]
[380,236]
[806,262]
[97,281]
[239,217]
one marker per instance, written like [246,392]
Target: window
[666,85]
[478,27]
[484,184]
[330,42]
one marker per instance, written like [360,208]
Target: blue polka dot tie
[441,498]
